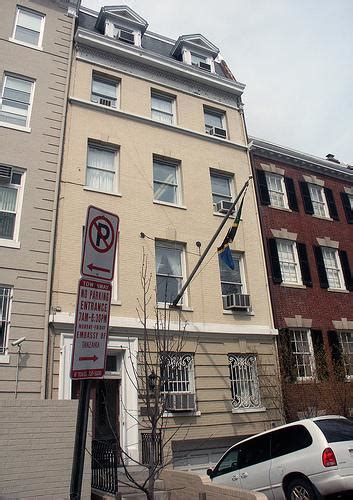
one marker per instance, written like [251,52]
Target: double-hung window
[318,200]
[288,261]
[215,122]
[333,268]
[104,91]
[177,372]
[16,100]
[101,168]
[276,190]
[221,185]
[166,180]
[244,382]
[346,340]
[29,27]
[302,351]
[162,107]
[5,299]
[169,270]
[10,202]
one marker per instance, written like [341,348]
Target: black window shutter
[275,265]
[304,264]
[331,203]
[346,269]
[286,355]
[291,194]
[320,355]
[347,207]
[337,354]
[308,205]
[264,194]
[321,267]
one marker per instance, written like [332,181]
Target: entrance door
[106,410]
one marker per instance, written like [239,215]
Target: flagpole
[205,252]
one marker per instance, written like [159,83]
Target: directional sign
[101,235]
[91,329]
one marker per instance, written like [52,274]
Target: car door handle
[244,474]
[235,478]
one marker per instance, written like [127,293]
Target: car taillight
[328,458]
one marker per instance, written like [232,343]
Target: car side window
[255,451]
[229,463]
[289,440]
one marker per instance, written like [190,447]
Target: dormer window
[201,62]
[196,51]
[122,23]
[124,35]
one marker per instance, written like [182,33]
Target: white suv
[305,460]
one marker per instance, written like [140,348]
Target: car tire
[300,489]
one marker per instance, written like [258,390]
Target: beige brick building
[155,133]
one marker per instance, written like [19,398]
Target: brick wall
[36,450]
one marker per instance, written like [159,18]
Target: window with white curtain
[16,100]
[101,168]
[221,185]
[104,91]
[162,107]
[29,27]
[166,180]
[10,202]
[214,119]
[169,270]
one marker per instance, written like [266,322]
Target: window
[347,202]
[244,381]
[289,440]
[333,268]
[176,372]
[166,181]
[289,262]
[231,279]
[346,341]
[276,190]
[336,430]
[215,123]
[196,59]
[162,107]
[255,451]
[221,185]
[318,200]
[5,299]
[29,26]
[169,270]
[10,202]
[101,168]
[16,100]
[302,351]
[229,463]
[104,91]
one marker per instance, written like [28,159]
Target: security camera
[18,341]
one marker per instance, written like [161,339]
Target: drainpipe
[48,296]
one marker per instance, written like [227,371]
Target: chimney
[331,157]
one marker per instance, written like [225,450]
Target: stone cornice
[111,46]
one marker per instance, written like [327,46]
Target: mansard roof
[123,13]
[196,42]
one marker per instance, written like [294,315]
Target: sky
[294,56]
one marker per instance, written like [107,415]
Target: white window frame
[109,80]
[288,263]
[178,195]
[181,248]
[316,203]
[350,198]
[244,382]
[219,113]
[14,242]
[240,258]
[273,193]
[184,364]
[187,58]
[294,332]
[230,179]
[39,46]
[112,149]
[157,94]
[347,351]
[7,321]
[337,269]
[26,127]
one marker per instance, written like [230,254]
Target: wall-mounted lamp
[152,378]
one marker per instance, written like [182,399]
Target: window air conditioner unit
[5,173]
[236,301]
[106,102]
[223,206]
[180,402]
[126,36]
[218,132]
[205,66]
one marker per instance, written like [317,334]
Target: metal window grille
[151,448]
[244,381]
[176,372]
[275,189]
[5,298]
[288,261]
[346,339]
[104,465]
[303,353]
[333,271]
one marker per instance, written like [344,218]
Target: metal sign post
[91,322]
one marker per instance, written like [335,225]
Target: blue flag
[224,251]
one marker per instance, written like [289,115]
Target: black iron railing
[104,465]
[151,448]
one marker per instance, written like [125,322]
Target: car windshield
[336,429]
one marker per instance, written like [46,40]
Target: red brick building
[306,212]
